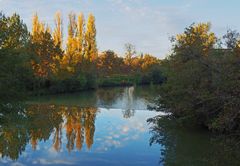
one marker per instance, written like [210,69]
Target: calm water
[103,127]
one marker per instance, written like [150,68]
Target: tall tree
[130,51]
[58,31]
[45,64]
[71,50]
[80,36]
[14,38]
[91,51]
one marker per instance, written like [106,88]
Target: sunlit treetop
[197,36]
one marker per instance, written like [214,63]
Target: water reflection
[67,123]
[191,146]
[13,130]
[37,122]
[129,98]
[103,127]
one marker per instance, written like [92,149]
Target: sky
[147,24]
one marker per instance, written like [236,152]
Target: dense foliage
[38,62]
[14,68]
[203,79]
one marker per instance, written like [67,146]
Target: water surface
[103,127]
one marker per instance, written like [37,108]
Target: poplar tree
[90,39]
[80,36]
[58,31]
[58,38]
[69,58]
[37,28]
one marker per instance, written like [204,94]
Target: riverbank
[78,85]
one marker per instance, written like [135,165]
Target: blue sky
[147,24]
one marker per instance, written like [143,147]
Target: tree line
[203,79]
[41,62]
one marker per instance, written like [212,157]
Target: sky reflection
[54,134]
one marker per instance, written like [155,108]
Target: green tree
[202,82]
[14,68]
[189,73]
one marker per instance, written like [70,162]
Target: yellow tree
[45,63]
[149,61]
[37,27]
[90,40]
[109,63]
[80,37]
[75,42]
[58,31]
[58,37]
[196,38]
[68,59]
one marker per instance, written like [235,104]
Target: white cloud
[17,164]
[147,24]
[43,161]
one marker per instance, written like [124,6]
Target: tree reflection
[129,111]
[183,146]
[31,124]
[108,96]
[57,142]
[13,131]
[78,122]
[42,120]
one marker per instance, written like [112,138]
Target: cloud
[122,131]
[147,24]
[43,161]
[17,164]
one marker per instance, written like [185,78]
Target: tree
[202,82]
[91,52]
[231,38]
[196,41]
[14,58]
[57,37]
[188,72]
[68,59]
[58,31]
[149,61]
[46,54]
[80,37]
[130,51]
[75,43]
[109,63]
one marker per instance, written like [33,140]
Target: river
[103,127]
